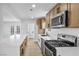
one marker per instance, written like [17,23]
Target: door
[31,30]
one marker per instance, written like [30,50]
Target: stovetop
[56,43]
[63,40]
[52,44]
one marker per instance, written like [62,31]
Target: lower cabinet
[21,51]
[22,47]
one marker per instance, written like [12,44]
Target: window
[15,32]
[12,30]
[17,29]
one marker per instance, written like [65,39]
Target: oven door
[48,52]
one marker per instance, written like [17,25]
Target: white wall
[0,26]
[24,26]
[72,31]
[25,30]
[8,46]
[0,22]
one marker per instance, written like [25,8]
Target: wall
[7,46]
[24,26]
[0,28]
[0,22]
[71,31]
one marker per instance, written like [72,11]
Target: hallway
[32,49]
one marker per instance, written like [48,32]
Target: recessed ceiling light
[33,5]
[31,9]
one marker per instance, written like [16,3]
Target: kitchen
[56,30]
[61,23]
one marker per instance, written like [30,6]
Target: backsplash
[70,31]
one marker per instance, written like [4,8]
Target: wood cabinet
[41,23]
[22,47]
[48,20]
[63,6]
[58,8]
[73,13]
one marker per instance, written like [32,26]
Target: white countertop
[45,37]
[17,40]
[68,51]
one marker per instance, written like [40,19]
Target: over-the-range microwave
[60,20]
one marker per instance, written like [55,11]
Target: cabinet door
[63,6]
[74,15]
[48,20]
[51,16]
[56,9]
[60,7]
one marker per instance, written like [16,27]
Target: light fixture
[33,5]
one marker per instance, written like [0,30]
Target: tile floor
[32,49]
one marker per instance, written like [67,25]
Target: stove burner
[56,43]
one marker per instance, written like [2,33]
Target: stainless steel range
[63,40]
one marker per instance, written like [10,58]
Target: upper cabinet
[41,23]
[72,18]
[48,20]
[63,6]
[73,14]
[58,8]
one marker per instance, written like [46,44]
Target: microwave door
[60,20]
[57,22]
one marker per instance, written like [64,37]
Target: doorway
[31,30]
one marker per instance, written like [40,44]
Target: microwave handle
[59,20]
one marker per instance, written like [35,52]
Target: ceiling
[25,11]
